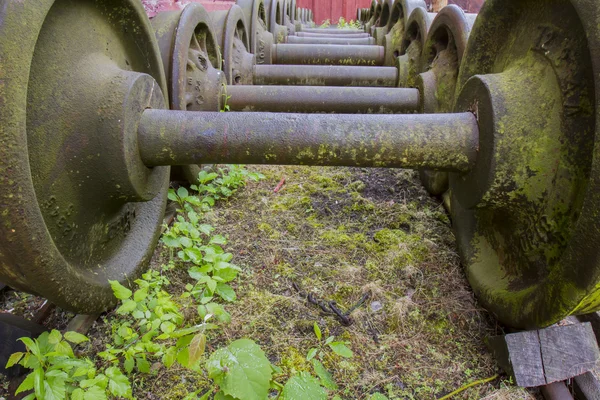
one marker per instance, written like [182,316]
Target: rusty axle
[328,54]
[434,141]
[330,40]
[303,99]
[325,75]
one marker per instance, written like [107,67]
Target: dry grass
[339,234]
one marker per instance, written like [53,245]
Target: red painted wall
[154,6]
[334,9]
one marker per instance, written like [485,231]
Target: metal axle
[327,54]
[333,31]
[305,99]
[325,75]
[331,40]
[348,36]
[434,141]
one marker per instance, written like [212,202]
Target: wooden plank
[568,351]
[556,391]
[81,323]
[586,387]
[519,356]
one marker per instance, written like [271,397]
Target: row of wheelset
[97,103]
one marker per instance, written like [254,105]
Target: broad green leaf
[95,393]
[206,229]
[196,348]
[143,365]
[211,284]
[140,295]
[341,349]
[55,388]
[303,387]
[127,307]
[377,396]
[317,331]
[218,239]
[120,291]
[226,292]
[77,394]
[118,384]
[172,195]
[329,339]
[38,383]
[222,396]
[32,346]
[64,348]
[186,242]
[194,254]
[54,337]
[14,358]
[324,375]
[129,363]
[241,370]
[26,385]
[171,241]
[75,337]
[311,354]
[182,192]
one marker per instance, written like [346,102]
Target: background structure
[323,9]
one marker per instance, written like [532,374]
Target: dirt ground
[367,239]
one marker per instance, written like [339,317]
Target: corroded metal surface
[261,40]
[330,40]
[190,54]
[401,11]
[348,36]
[325,75]
[234,41]
[382,27]
[526,217]
[410,59]
[327,54]
[404,141]
[70,216]
[442,55]
[274,15]
[307,99]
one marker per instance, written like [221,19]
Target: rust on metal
[307,99]
[327,54]
[435,141]
[325,75]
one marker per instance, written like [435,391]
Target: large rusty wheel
[442,55]
[410,56]
[233,38]
[76,211]
[191,59]
[400,13]
[526,217]
[261,40]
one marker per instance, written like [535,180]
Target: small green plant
[57,373]
[343,24]
[325,24]
[226,98]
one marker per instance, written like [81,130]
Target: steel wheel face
[401,11]
[74,212]
[191,59]
[442,55]
[413,43]
[526,216]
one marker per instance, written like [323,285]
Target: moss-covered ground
[342,235]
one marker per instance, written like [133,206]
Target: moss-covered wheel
[526,217]
[192,60]
[274,15]
[234,41]
[261,40]
[77,205]
[392,41]
[384,20]
[374,16]
[442,55]
[410,56]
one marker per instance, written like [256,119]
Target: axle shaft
[368,41]
[325,75]
[432,141]
[333,31]
[348,36]
[305,99]
[328,54]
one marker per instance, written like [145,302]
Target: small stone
[318,265]
[376,306]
